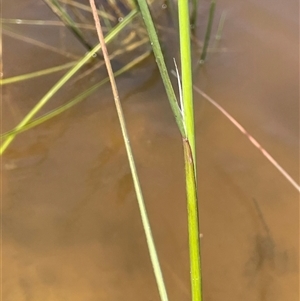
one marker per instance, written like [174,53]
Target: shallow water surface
[71,224]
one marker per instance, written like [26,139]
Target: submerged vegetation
[122,22]
[133,29]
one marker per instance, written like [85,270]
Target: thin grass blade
[39,73]
[74,101]
[161,63]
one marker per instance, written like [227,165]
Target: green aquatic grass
[39,73]
[184,117]
[185,122]
[125,49]
[65,78]
[76,100]
[190,151]
[183,114]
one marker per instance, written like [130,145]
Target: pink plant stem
[252,140]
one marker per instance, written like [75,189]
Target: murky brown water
[71,225]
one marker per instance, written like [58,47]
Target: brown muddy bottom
[71,228]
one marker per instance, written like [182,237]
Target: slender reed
[137,186]
[190,151]
[186,128]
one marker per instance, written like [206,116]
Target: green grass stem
[190,151]
[193,223]
[186,66]
[66,77]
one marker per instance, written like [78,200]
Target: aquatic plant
[115,20]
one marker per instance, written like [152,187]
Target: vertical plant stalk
[186,67]
[142,207]
[208,31]
[193,223]
[190,151]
